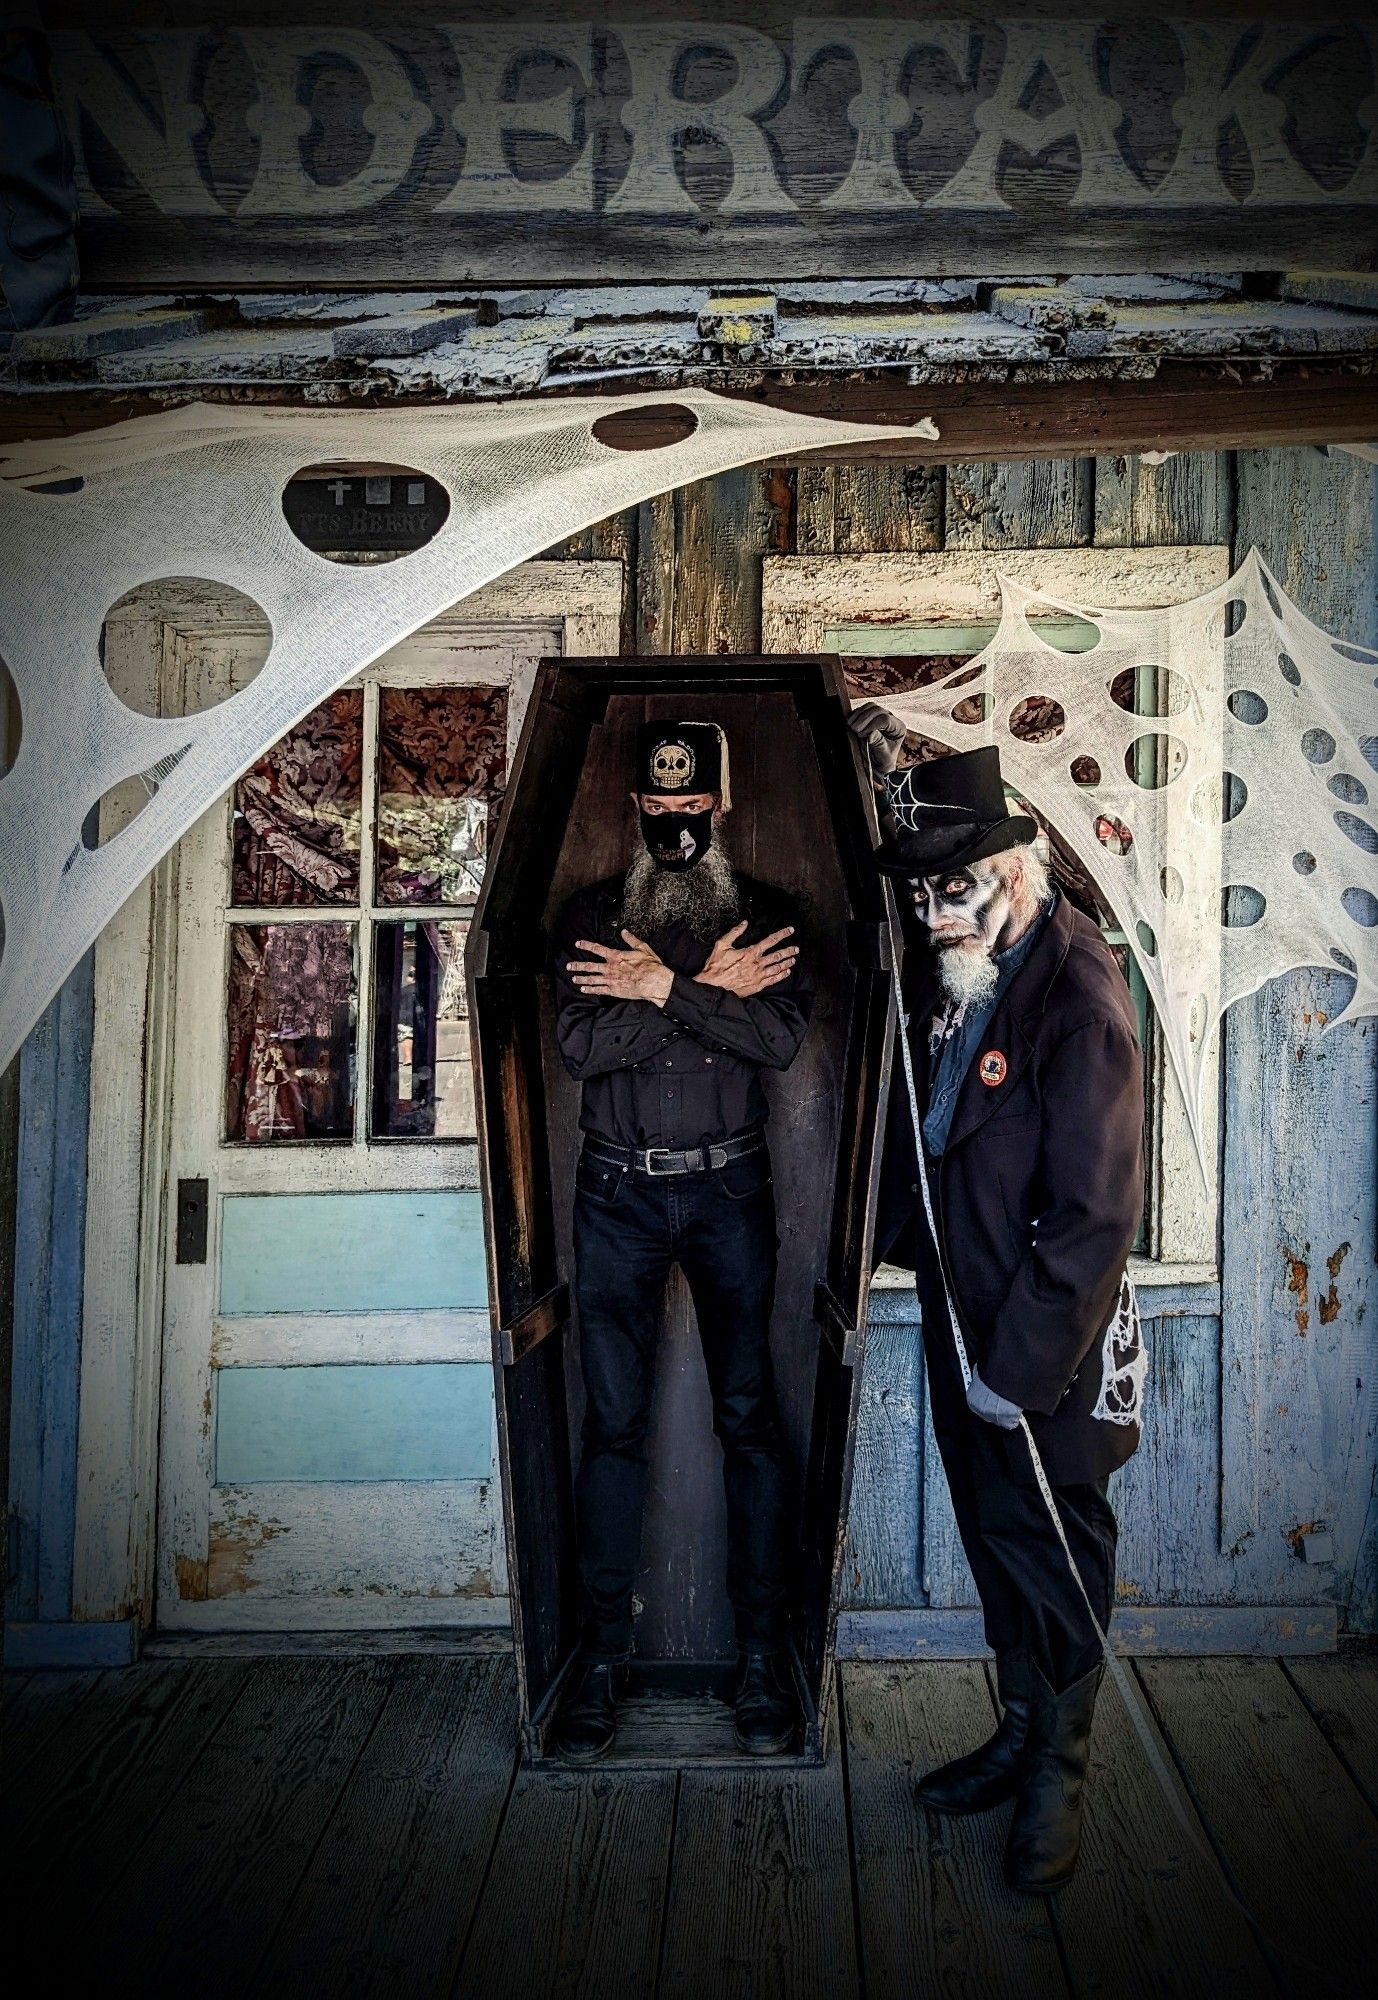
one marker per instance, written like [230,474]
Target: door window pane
[442,764]
[291,1016]
[296,813]
[423,1086]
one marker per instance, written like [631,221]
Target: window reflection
[442,763]
[423,1085]
[291,1009]
[296,813]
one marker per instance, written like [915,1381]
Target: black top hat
[948,814]
[675,758]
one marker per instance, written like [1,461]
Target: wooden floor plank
[93,1821]
[936,1916]
[760,1895]
[573,1900]
[198,1906]
[43,1707]
[1146,1913]
[1342,1694]
[1290,1822]
[390,1893]
[138,1696]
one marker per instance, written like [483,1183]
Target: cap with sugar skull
[677,759]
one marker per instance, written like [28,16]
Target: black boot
[1045,1833]
[587,1722]
[990,1775]
[767,1710]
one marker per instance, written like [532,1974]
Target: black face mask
[677,840]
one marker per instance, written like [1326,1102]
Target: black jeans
[629,1230]
[1029,1596]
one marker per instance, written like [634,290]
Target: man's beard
[703,898]
[967,973]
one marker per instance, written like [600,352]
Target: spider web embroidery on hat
[1223,811]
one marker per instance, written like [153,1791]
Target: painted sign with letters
[415,148]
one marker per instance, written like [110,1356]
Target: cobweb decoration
[197,492]
[1230,825]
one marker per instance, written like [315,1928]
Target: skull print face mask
[677,840]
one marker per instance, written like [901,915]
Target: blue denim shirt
[953,1045]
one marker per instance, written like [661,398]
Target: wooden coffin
[803,817]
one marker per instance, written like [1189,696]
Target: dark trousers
[1029,1597]
[629,1230]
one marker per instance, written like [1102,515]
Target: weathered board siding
[1259,1449]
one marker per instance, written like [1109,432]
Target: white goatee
[967,974]
[704,898]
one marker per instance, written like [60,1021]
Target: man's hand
[633,974]
[882,737]
[753,967]
[983,1402]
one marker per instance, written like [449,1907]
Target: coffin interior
[568,822]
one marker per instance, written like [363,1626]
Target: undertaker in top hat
[1029,1100]
[676,985]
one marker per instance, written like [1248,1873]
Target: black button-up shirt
[687,1073]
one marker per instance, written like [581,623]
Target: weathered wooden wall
[1263,1406]
[1255,1485]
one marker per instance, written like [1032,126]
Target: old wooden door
[326,1447]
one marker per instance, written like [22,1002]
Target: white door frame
[127,1215]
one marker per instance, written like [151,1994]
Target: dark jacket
[687,1072]
[1039,1193]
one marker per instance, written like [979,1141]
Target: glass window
[296,813]
[442,762]
[299,1001]
[292,1006]
[422,1081]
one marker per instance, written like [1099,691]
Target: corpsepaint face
[963,906]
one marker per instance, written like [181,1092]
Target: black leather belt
[672,1160]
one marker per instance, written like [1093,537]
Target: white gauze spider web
[1246,793]
[197,492]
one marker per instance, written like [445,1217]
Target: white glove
[882,736]
[990,1408]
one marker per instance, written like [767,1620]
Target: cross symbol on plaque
[339,487]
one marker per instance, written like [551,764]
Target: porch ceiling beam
[1184,406]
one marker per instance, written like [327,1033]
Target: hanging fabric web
[1212,765]
[197,492]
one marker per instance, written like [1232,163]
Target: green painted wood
[303,1253]
[430,1420]
[197,1907]
[1288,1820]
[759,1900]
[935,1915]
[391,1891]
[574,1895]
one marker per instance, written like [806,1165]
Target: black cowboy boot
[1045,1833]
[767,1710]
[587,1722]
[988,1776]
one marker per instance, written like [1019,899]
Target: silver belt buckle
[653,1153]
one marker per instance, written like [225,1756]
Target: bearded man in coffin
[676,985]
[1026,1061]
